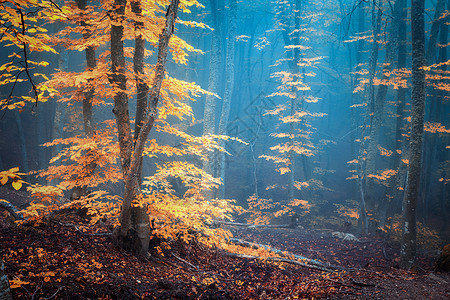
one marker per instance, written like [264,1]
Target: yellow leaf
[3,180]
[17,184]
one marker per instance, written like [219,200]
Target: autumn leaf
[17,283]
[17,184]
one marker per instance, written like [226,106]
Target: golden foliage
[14,175]
[386,174]
[21,30]
[435,127]
[426,237]
[384,152]
[347,212]
[81,156]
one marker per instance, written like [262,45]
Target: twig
[280,259]
[54,295]
[80,231]
[287,255]
[38,287]
[185,261]
[253,226]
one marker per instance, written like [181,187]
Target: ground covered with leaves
[57,261]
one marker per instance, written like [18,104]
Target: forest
[224,149]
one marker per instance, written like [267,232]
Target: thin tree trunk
[60,107]
[379,206]
[296,103]
[378,112]
[141,85]
[408,242]
[444,188]
[431,48]
[209,119]
[432,112]
[392,190]
[359,58]
[368,168]
[91,63]
[229,87]
[23,145]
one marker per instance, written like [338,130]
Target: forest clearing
[224,149]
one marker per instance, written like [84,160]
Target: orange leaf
[16,283]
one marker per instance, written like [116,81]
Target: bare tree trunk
[377,118]
[91,63]
[23,144]
[360,46]
[432,111]
[60,107]
[408,243]
[209,119]
[364,188]
[437,20]
[229,81]
[392,191]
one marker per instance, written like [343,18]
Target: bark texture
[408,243]
[119,81]
[229,87]
[378,112]
[138,65]
[91,63]
[209,119]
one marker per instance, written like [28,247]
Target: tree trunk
[5,292]
[408,243]
[377,118]
[394,183]
[141,85]
[60,107]
[22,140]
[134,233]
[432,111]
[437,20]
[209,118]
[360,47]
[229,81]
[91,63]
[367,185]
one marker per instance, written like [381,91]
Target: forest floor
[56,261]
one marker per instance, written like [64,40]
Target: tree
[229,86]
[209,116]
[89,159]
[408,244]
[134,222]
